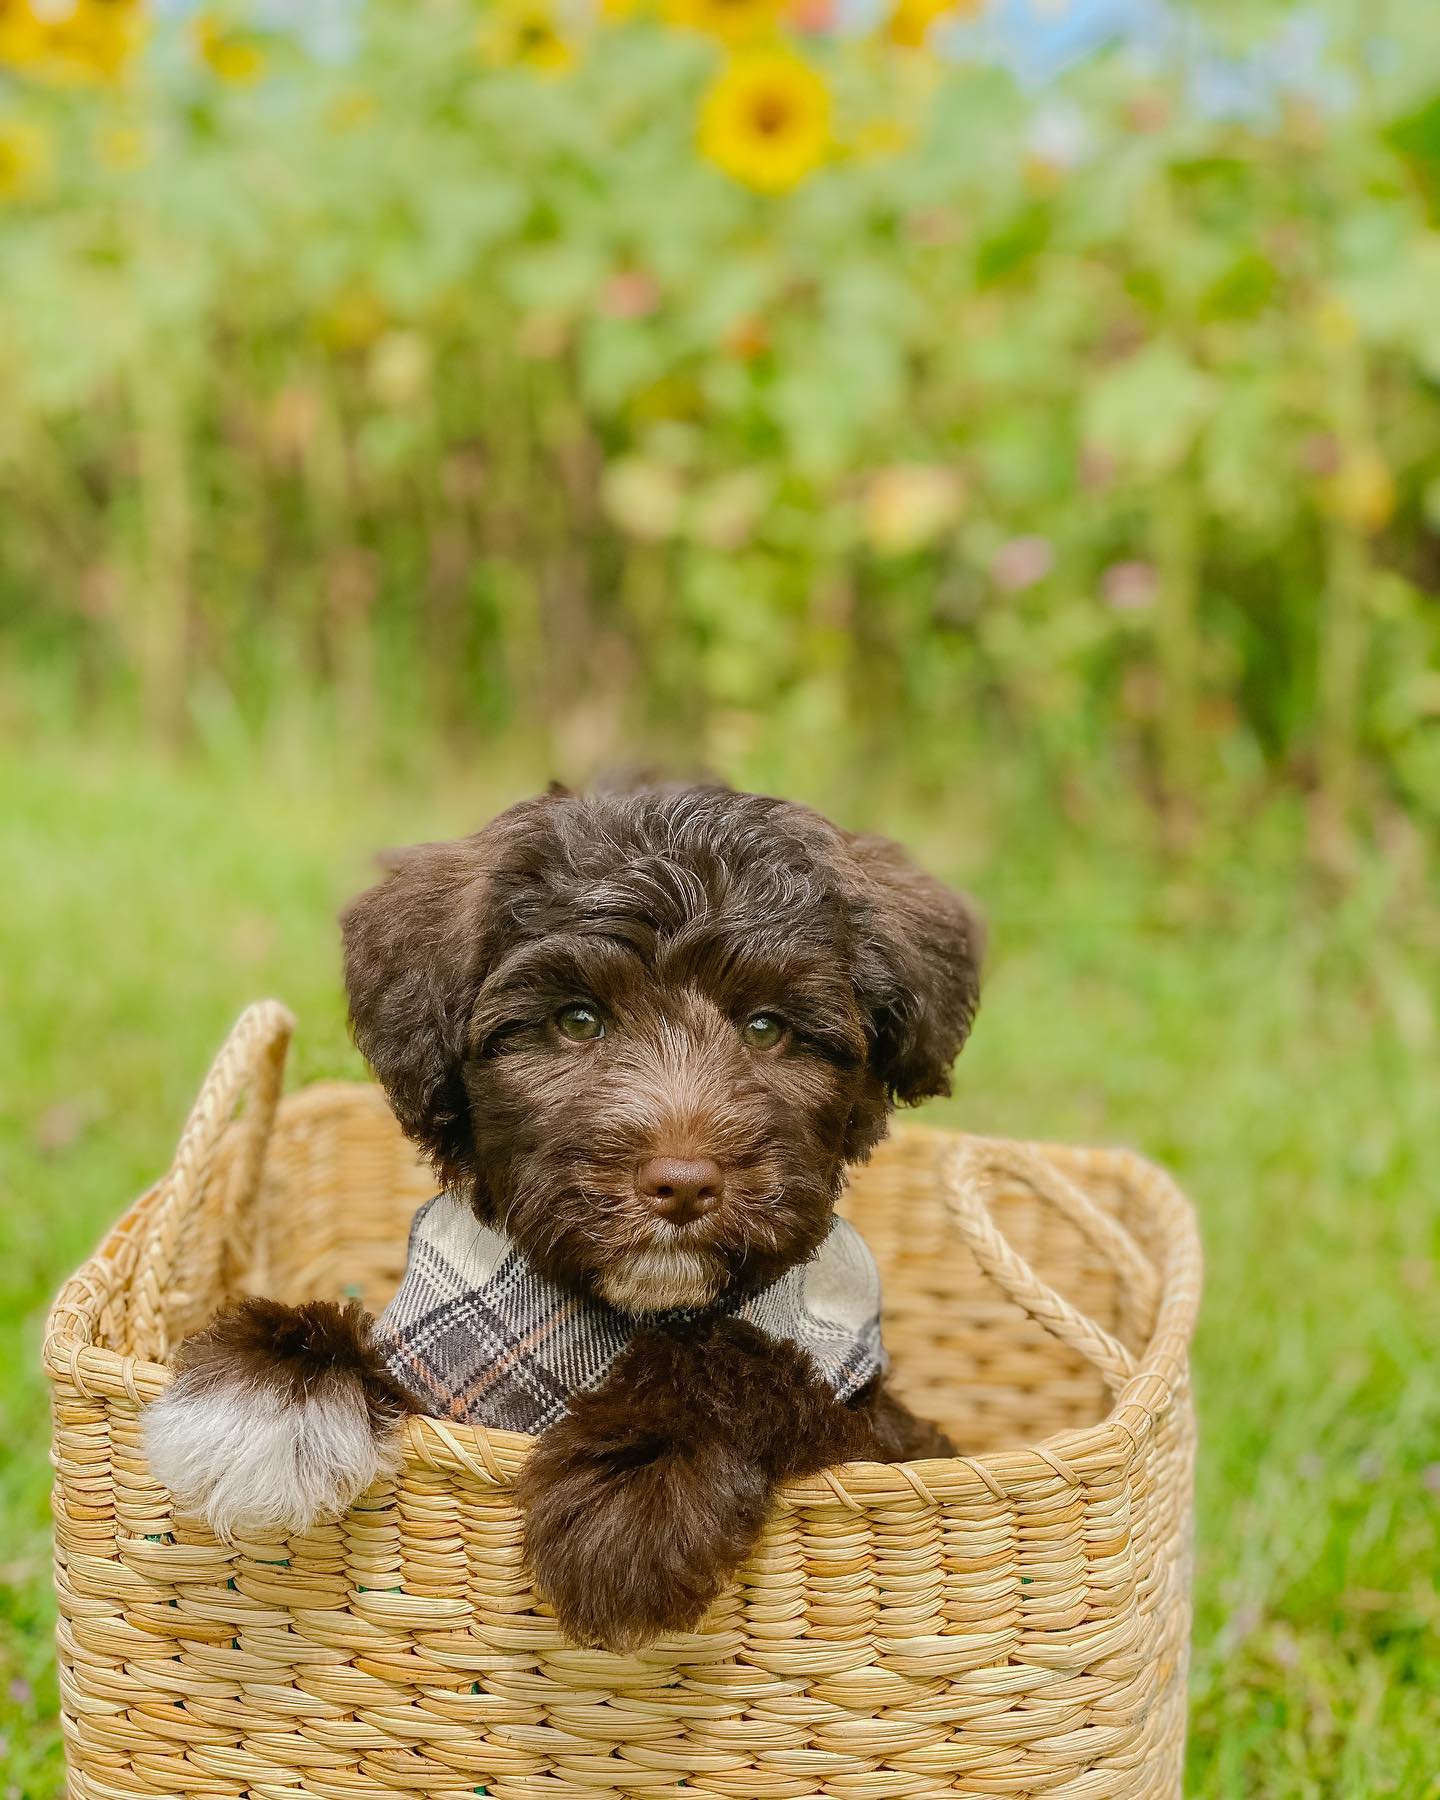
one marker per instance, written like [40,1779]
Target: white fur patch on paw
[252,1463]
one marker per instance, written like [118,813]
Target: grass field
[1275,1043]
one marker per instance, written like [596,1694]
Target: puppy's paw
[629,1542]
[278,1417]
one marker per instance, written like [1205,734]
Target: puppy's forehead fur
[644,867]
[639,901]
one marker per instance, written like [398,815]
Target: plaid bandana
[480,1336]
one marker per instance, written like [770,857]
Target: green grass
[1275,1044]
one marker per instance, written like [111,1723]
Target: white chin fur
[658,1280]
[253,1464]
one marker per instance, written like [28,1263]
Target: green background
[387,436]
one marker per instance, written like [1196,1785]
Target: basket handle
[980,1167]
[250,1066]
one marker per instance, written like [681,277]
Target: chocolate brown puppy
[641,1035]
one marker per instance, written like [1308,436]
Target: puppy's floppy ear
[918,949]
[414,958]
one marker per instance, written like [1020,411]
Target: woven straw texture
[1011,1622]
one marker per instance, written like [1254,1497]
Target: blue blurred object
[1037,40]
[325,27]
[1289,65]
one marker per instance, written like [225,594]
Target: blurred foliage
[695,380]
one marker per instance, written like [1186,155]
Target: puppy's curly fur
[674,916]
[642,1501]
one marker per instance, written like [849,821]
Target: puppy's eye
[763,1031]
[581,1024]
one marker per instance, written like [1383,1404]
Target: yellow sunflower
[351,319]
[766,120]
[24,159]
[123,147]
[1361,492]
[94,40]
[882,137]
[910,21]
[734,21]
[525,31]
[233,55]
[21,34]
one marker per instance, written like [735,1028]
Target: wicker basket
[1010,1622]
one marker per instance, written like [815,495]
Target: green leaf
[1148,412]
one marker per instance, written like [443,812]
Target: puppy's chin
[660,1280]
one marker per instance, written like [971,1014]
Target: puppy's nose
[680,1188]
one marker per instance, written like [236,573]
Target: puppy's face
[647,1031]
[661,1113]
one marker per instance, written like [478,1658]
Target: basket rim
[70,1355]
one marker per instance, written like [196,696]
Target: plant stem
[1177,637]
[1341,639]
[162,599]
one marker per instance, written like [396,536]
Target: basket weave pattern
[1012,1622]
